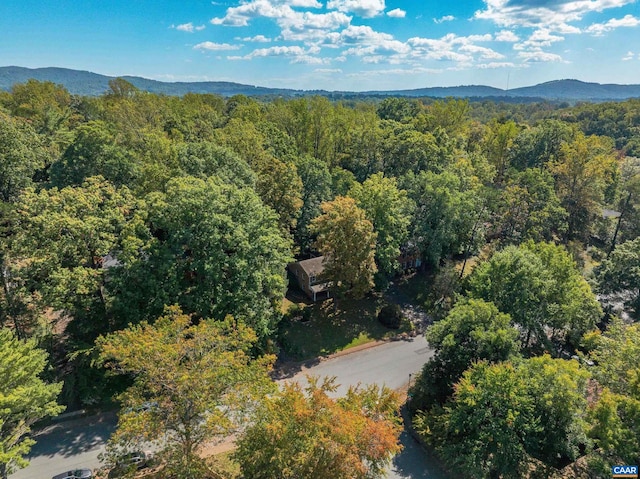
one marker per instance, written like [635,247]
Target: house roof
[313,266]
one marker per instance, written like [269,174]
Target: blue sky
[330,44]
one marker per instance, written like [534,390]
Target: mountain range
[92,84]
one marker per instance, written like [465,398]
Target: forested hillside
[117,207]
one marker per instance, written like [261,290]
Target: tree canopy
[192,383]
[24,398]
[347,240]
[306,433]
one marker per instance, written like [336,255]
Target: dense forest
[131,220]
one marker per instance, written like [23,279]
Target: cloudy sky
[330,44]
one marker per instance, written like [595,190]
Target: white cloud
[483,52]
[552,14]
[396,71]
[494,65]
[189,27]
[446,18]
[396,13]
[307,26]
[257,39]
[539,57]
[277,9]
[327,70]
[296,53]
[210,46]
[365,41]
[507,36]
[452,47]
[599,29]
[362,8]
[538,39]
[628,56]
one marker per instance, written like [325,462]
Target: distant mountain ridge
[92,84]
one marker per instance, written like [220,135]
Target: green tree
[280,187]
[212,248]
[49,110]
[398,109]
[502,414]
[474,330]
[199,381]
[497,146]
[205,159]
[316,189]
[615,418]
[61,240]
[24,398]
[619,277]
[539,286]
[390,211]
[347,240]
[306,433]
[530,209]
[480,432]
[617,358]
[535,147]
[21,155]
[448,206]
[407,150]
[94,151]
[583,171]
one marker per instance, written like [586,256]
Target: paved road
[77,443]
[68,445]
[389,364]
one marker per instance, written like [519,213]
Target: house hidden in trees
[308,272]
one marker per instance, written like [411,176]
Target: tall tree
[198,381]
[615,418]
[316,189]
[497,146]
[583,170]
[94,151]
[539,285]
[390,210]
[21,155]
[503,414]
[24,398]
[474,330]
[306,433]
[214,249]
[347,240]
[530,209]
[62,237]
[280,187]
[204,159]
[48,108]
[619,277]
[537,146]
[448,205]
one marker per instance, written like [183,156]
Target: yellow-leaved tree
[193,383]
[305,433]
[347,240]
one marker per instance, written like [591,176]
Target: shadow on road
[74,437]
[288,369]
[413,462]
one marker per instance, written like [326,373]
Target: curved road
[77,443]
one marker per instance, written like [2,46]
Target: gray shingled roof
[313,266]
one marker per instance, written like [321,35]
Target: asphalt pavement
[77,443]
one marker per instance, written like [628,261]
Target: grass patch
[319,329]
[224,466]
